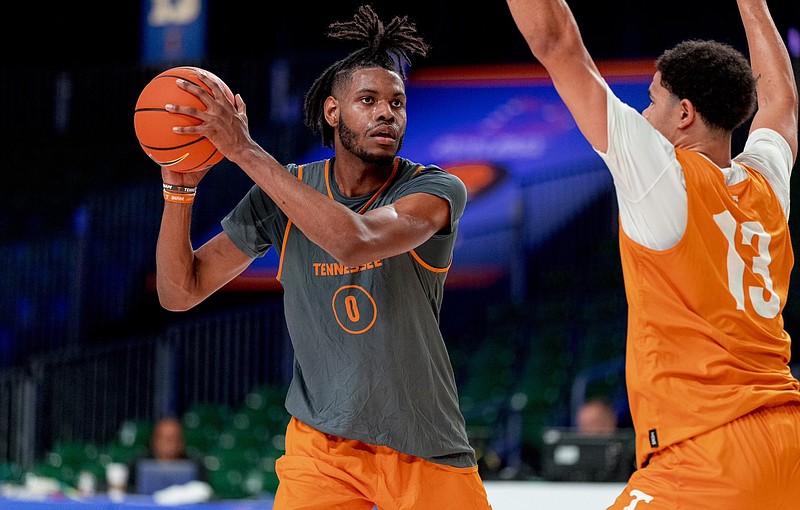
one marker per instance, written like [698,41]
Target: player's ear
[688,114]
[331,110]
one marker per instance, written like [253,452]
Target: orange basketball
[153,124]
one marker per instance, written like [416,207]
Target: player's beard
[349,141]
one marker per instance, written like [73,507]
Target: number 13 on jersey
[753,234]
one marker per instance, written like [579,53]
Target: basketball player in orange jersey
[706,258]
[365,240]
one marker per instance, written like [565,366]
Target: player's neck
[715,145]
[355,177]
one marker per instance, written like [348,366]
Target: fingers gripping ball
[153,124]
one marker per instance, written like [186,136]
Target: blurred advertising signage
[173,30]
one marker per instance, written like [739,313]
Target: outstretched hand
[223,122]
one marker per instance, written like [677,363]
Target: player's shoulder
[431,178]
[422,170]
[766,140]
[312,173]
[311,166]
[767,152]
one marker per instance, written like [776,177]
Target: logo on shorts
[653,438]
[638,496]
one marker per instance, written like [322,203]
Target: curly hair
[715,77]
[388,46]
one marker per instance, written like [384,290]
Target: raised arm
[776,87]
[552,34]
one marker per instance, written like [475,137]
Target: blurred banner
[173,31]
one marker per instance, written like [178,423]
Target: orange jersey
[706,343]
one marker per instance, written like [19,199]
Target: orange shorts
[321,471]
[748,464]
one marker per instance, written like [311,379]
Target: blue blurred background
[534,315]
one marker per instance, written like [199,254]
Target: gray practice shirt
[370,362]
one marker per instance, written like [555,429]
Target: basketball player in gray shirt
[365,241]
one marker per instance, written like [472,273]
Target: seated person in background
[596,417]
[167,463]
[167,441]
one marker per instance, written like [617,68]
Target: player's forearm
[175,265]
[548,27]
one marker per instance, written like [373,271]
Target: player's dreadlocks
[387,46]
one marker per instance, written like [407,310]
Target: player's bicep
[583,90]
[429,212]
[406,224]
[553,36]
